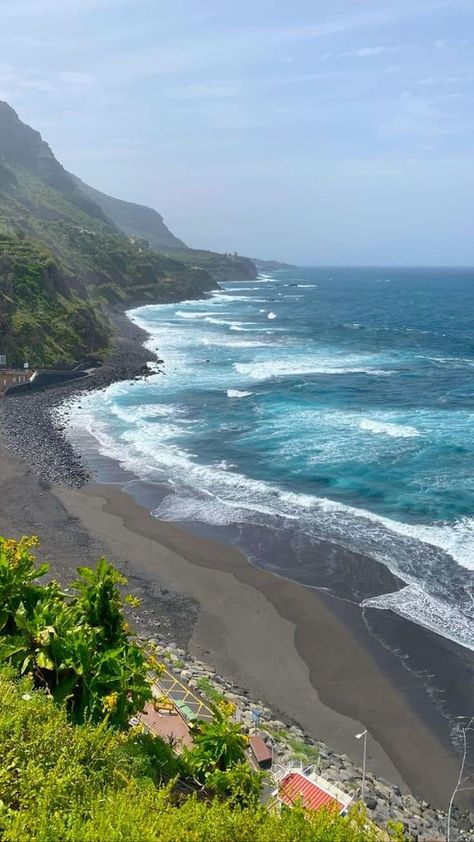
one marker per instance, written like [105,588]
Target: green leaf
[64,690]
[44,661]
[25,664]
[87,573]
[7,650]
[20,617]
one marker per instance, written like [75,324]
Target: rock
[381,814]
[409,802]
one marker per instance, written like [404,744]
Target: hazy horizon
[340,136]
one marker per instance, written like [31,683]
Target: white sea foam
[228,342]
[387,429]
[226,322]
[415,604]
[236,393]
[268,369]
[238,326]
[190,314]
[213,494]
[451,361]
[225,296]
[237,289]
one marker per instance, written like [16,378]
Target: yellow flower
[227,708]
[132,600]
[125,627]
[110,702]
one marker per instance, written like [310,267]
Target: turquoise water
[338,403]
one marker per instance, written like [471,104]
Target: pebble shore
[28,421]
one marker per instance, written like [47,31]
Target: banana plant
[75,644]
[18,575]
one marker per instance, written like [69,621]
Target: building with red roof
[311,791]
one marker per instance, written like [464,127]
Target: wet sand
[308,655]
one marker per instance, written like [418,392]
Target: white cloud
[243,44]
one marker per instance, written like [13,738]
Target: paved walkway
[170,726]
[190,704]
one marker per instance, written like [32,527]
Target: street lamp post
[364,760]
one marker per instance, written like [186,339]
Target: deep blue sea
[334,403]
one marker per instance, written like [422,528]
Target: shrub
[75,644]
[61,781]
[70,673]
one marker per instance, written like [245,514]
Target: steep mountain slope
[135,220]
[139,221]
[63,258]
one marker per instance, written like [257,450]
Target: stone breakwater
[385,802]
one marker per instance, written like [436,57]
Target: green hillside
[146,224]
[43,319]
[222,267]
[64,260]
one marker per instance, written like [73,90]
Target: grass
[60,781]
[210,692]
[300,749]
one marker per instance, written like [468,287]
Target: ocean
[313,407]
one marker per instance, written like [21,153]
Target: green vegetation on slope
[43,318]
[96,263]
[222,267]
[75,644]
[73,771]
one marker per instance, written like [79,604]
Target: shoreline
[324,689]
[286,643]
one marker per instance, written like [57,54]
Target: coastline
[284,642]
[309,655]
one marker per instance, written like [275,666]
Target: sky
[330,132]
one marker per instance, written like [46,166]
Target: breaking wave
[386,429]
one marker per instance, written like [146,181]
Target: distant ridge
[271,265]
[136,220]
